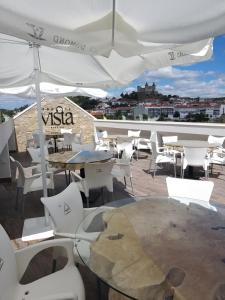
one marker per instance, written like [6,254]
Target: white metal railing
[6,130]
[205,129]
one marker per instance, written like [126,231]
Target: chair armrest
[24,256]
[77,176]
[89,236]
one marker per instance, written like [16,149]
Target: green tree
[176,114]
[85,102]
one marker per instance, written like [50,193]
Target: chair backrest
[65,209]
[8,268]
[153,147]
[102,134]
[216,140]
[83,147]
[68,138]
[169,139]
[66,130]
[128,152]
[195,156]
[36,138]
[20,176]
[98,174]
[35,154]
[134,133]
[189,188]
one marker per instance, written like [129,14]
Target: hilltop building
[146,92]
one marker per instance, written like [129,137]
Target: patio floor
[143,183]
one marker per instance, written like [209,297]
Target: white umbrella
[97,26]
[49,89]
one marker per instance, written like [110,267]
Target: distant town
[147,104]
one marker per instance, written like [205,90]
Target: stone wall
[57,113]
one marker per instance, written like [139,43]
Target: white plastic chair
[71,220]
[63,284]
[169,139]
[100,142]
[159,157]
[190,191]
[83,147]
[35,154]
[60,141]
[68,139]
[66,130]
[121,146]
[195,157]
[143,144]
[216,140]
[122,167]
[135,134]
[30,180]
[36,141]
[217,156]
[97,175]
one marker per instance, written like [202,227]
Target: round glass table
[159,248]
[76,160]
[192,144]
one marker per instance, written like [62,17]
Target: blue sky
[205,79]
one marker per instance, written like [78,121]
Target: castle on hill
[147,91]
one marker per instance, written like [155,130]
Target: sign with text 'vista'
[57,116]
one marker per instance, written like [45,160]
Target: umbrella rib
[8,41]
[113,22]
[105,70]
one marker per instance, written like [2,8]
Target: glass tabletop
[192,144]
[70,157]
[156,246]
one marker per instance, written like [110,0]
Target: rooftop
[143,182]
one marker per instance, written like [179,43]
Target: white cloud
[172,73]
[130,89]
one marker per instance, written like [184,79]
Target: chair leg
[17,197]
[125,182]
[23,205]
[150,166]
[66,178]
[175,175]
[155,169]
[87,198]
[131,183]
[54,265]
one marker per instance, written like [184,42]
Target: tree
[85,102]
[118,115]
[176,114]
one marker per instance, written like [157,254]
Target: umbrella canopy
[61,67]
[97,26]
[48,89]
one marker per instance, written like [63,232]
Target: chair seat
[37,184]
[56,284]
[216,159]
[117,172]
[164,159]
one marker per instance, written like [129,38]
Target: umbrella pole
[40,123]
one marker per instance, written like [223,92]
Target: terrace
[143,183]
